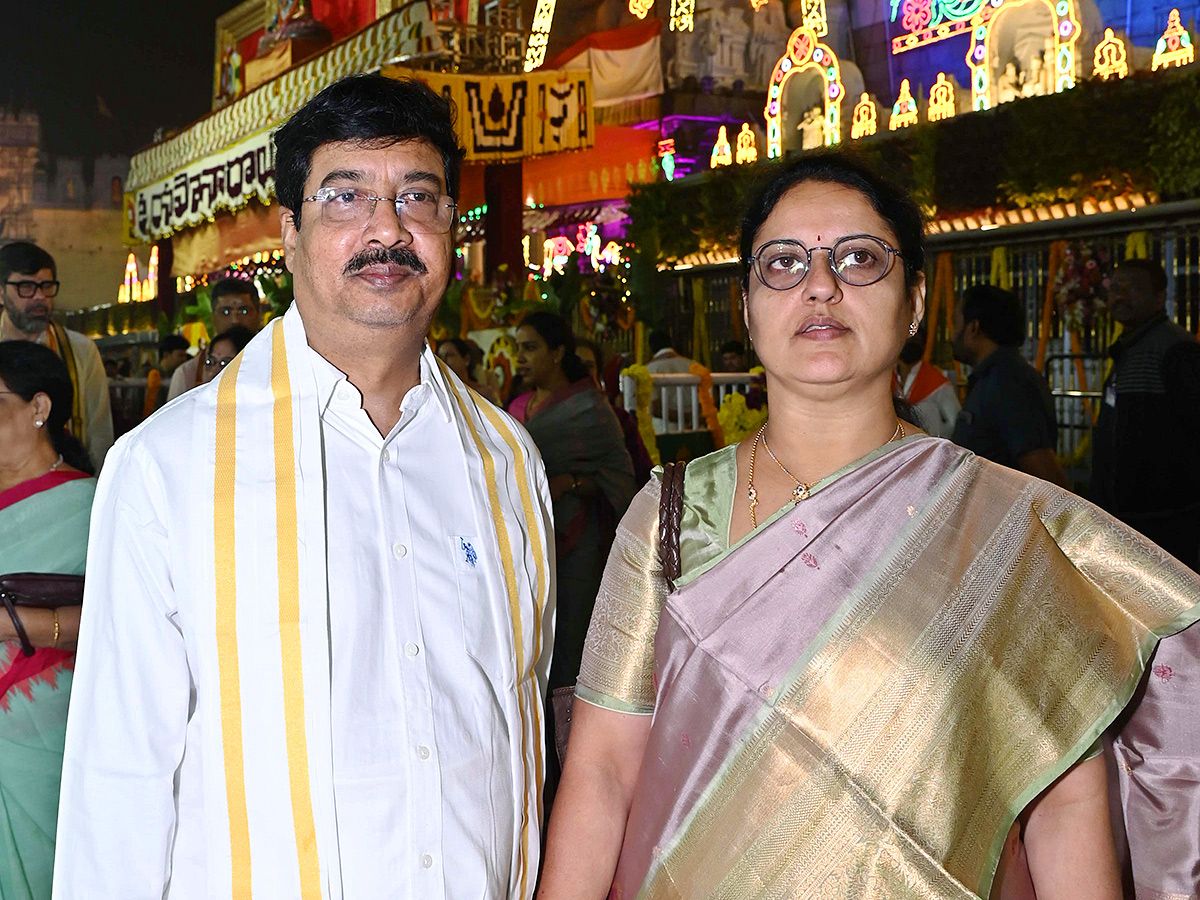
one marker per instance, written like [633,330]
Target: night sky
[150,60]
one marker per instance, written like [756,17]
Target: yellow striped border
[514,604]
[228,673]
[542,594]
[287,551]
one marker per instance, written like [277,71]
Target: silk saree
[858,699]
[43,528]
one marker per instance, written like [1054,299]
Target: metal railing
[678,397]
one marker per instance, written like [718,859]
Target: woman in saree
[884,665]
[590,476]
[45,502]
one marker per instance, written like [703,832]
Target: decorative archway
[1066,33]
[804,51]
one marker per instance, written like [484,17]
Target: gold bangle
[55,611]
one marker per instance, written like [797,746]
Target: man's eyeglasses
[421,212]
[26,289]
[857,260]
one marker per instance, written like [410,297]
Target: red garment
[928,379]
[25,489]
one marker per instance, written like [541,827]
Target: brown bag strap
[670,518]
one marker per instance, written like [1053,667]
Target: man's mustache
[400,256]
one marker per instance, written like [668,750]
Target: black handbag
[38,591]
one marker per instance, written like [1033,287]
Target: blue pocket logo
[469,555]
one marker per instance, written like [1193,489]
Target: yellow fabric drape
[700,348]
[1137,245]
[1001,275]
[1058,254]
[641,352]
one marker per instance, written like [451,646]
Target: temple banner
[226,180]
[499,117]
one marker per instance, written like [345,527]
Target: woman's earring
[912,330]
[38,423]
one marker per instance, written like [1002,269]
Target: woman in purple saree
[892,687]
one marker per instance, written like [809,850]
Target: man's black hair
[659,339]
[997,311]
[734,347]
[173,342]
[1152,270]
[231,285]
[24,258]
[370,109]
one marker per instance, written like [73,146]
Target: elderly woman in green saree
[46,493]
[885,663]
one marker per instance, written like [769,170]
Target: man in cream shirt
[319,605]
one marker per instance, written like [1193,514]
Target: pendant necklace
[801,491]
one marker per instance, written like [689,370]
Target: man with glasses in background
[29,284]
[337,690]
[234,302]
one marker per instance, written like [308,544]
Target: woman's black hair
[238,335]
[463,348]
[555,331]
[370,109]
[29,369]
[892,204]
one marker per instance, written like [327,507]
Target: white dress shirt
[420,746]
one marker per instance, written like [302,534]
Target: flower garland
[1080,285]
[738,420]
[707,407]
[644,390]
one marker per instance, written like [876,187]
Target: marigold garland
[739,421]
[707,407]
[643,391]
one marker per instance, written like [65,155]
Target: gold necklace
[801,491]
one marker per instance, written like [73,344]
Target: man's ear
[289,233]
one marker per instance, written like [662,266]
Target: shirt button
[426,861]
[423,752]
[412,649]
[399,551]
[386,456]
[345,394]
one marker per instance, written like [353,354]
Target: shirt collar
[1129,338]
[665,351]
[997,357]
[334,387]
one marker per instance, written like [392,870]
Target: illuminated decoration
[722,153]
[812,14]
[525,253]
[747,152]
[904,111]
[805,52]
[1175,46]
[666,153]
[864,122]
[539,35]
[555,253]
[1066,33]
[941,99]
[587,242]
[1110,60]
[611,256]
[757,4]
[640,7]
[135,290]
[683,15]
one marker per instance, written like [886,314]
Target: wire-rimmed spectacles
[26,289]
[423,212]
[857,260]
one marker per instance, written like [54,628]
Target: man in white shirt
[234,302]
[319,608]
[28,285]
[665,360]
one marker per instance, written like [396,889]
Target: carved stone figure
[1008,85]
[812,129]
[1035,79]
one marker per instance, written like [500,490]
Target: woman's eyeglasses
[857,260]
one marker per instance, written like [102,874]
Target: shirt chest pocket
[484,640]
